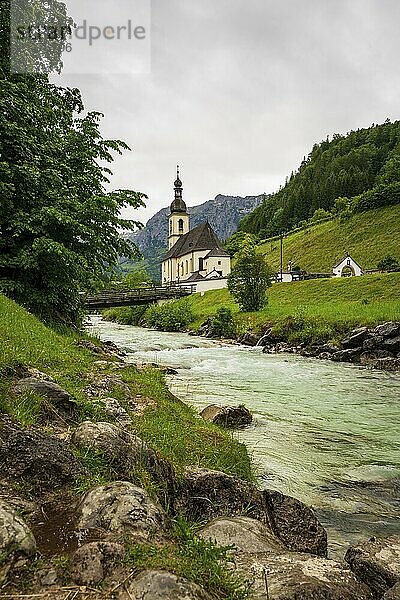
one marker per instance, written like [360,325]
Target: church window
[201,264]
[180,225]
[219,262]
[187,267]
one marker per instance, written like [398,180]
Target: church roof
[201,237]
[196,276]
[216,252]
[345,257]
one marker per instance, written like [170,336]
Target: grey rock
[393,593]
[232,417]
[204,494]
[49,577]
[376,563]
[356,338]
[325,356]
[350,355]
[29,456]
[293,576]
[373,342]
[15,536]
[387,330]
[393,344]
[114,410]
[295,524]
[122,509]
[247,535]
[387,364]
[160,585]
[60,404]
[249,339]
[123,451]
[93,562]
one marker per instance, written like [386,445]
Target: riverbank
[71,417]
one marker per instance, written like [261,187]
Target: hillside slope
[363,165]
[368,237]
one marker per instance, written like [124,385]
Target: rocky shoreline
[377,347]
[278,547]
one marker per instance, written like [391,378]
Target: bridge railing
[153,293]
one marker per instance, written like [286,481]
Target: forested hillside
[352,173]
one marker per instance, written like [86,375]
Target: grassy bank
[320,309]
[169,426]
[368,237]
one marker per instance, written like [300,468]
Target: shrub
[174,316]
[125,315]
[389,263]
[223,325]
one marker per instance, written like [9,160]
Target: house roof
[345,257]
[201,237]
[215,252]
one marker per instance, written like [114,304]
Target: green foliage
[346,167]
[200,561]
[223,324]
[319,215]
[388,263]
[24,408]
[238,241]
[125,315]
[249,280]
[60,227]
[138,277]
[169,317]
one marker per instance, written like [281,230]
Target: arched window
[187,267]
[201,264]
[180,225]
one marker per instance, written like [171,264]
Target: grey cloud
[240,91]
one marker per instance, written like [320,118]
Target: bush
[389,263]
[223,325]
[174,316]
[249,279]
[125,315]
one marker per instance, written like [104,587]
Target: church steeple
[178,204]
[179,217]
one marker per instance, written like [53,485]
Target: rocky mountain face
[223,213]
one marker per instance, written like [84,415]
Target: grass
[368,237]
[168,425]
[312,310]
[200,561]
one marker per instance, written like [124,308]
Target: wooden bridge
[137,296]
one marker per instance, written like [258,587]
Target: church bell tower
[178,221]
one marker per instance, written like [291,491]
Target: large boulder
[247,535]
[232,417]
[349,355]
[376,563]
[29,456]
[392,344]
[92,562]
[387,330]
[204,494]
[159,585]
[295,524]
[293,576]
[15,536]
[356,338]
[249,339]
[59,406]
[123,451]
[120,508]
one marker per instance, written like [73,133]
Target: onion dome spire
[178,204]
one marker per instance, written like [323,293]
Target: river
[326,433]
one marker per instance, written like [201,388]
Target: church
[195,256]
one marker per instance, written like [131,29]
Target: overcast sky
[240,90]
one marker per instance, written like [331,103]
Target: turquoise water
[326,433]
